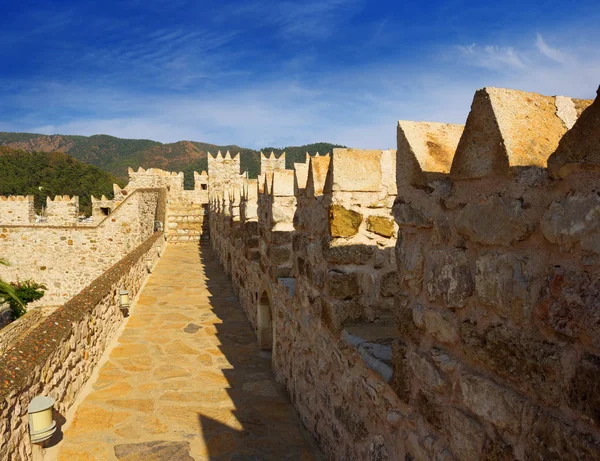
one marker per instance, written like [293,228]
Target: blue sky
[266,72]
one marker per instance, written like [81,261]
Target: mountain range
[114,155]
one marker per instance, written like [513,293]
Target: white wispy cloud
[492,56]
[552,53]
[357,106]
[310,19]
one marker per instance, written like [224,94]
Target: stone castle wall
[67,258]
[185,208]
[16,209]
[437,302]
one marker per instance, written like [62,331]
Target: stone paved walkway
[186,381]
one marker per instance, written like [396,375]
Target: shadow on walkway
[268,429]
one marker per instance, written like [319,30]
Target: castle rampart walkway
[186,380]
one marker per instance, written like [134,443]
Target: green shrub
[26,291]
[7,292]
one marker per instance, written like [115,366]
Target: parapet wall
[270,163]
[16,209]
[440,301]
[60,352]
[63,210]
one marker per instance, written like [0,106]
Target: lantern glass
[124,298]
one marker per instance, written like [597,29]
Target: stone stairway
[185,222]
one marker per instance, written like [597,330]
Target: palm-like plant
[6,290]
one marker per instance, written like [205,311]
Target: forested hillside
[44,174]
[115,154]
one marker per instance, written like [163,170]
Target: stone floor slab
[187,380]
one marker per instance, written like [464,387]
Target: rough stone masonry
[440,301]
[448,311]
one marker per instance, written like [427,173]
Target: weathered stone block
[404,317]
[584,395]
[280,237]
[251,227]
[497,450]
[572,221]
[401,376]
[553,439]
[351,421]
[569,303]
[466,435]
[335,314]
[496,221]
[390,284]
[377,450]
[336,253]
[408,214]
[427,374]
[429,409]
[496,405]
[342,285]
[380,225]
[356,170]
[343,222]
[504,282]
[532,364]
[448,277]
[440,326]
[410,262]
[279,255]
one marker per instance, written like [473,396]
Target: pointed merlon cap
[268,183]
[130,171]
[317,175]
[307,158]
[301,175]
[507,128]
[580,146]
[425,147]
[227,156]
[356,170]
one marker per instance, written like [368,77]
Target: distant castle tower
[223,172]
[269,163]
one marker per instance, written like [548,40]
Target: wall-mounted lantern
[41,424]
[124,300]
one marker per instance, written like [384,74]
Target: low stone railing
[14,330]
[58,356]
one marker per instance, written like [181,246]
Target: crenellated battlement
[270,163]
[16,209]
[454,275]
[62,210]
